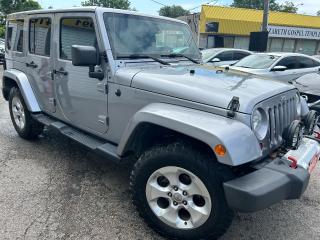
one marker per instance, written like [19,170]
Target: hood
[308,83]
[204,85]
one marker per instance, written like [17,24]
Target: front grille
[280,117]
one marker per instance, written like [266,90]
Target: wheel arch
[16,78]
[199,126]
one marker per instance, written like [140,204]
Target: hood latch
[233,106]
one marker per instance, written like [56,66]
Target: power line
[215,1]
[158,3]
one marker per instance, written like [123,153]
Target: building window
[306,46]
[288,45]
[276,44]
[241,42]
[76,31]
[212,27]
[40,36]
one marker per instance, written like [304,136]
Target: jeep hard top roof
[85,9]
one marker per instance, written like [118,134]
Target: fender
[241,143]
[26,90]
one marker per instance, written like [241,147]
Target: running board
[95,144]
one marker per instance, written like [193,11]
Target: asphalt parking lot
[53,188]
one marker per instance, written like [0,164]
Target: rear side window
[76,31]
[305,62]
[15,35]
[40,36]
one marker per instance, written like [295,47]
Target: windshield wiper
[139,56]
[173,55]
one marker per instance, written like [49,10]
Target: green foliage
[119,4]
[2,31]
[273,5]
[318,13]
[173,11]
[11,6]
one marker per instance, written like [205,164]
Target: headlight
[259,123]
[298,104]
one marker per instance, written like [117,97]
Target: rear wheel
[21,118]
[178,191]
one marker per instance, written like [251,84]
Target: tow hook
[317,135]
[294,162]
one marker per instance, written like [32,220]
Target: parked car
[2,52]
[199,139]
[223,56]
[281,66]
[309,86]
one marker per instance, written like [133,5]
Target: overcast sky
[148,6]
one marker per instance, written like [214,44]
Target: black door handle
[60,71]
[32,65]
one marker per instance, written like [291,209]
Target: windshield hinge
[104,56]
[106,88]
[233,106]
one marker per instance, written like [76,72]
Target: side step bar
[95,144]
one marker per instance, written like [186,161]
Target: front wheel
[25,125]
[178,191]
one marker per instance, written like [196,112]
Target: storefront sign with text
[293,32]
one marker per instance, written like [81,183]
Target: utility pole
[265,16]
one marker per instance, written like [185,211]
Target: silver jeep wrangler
[204,142]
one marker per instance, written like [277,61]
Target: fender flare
[241,143]
[25,87]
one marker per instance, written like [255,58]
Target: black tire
[31,129]
[201,164]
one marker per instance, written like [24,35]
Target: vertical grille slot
[280,117]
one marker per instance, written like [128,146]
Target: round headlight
[259,123]
[298,104]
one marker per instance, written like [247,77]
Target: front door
[82,100]
[39,60]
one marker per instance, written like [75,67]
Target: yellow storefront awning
[241,21]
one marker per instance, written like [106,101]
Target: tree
[120,4]
[273,5]
[173,11]
[318,13]
[288,7]
[10,6]
[255,4]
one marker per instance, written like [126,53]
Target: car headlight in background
[259,123]
[298,104]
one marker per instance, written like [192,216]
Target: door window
[239,55]
[76,31]
[40,36]
[289,62]
[225,56]
[15,35]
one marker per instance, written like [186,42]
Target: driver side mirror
[215,60]
[87,56]
[279,69]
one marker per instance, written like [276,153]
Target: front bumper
[275,182]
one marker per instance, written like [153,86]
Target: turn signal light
[220,150]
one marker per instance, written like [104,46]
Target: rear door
[39,61]
[82,100]
[306,65]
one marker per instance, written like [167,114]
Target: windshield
[207,54]
[257,61]
[146,36]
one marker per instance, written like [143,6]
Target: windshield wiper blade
[181,55]
[138,56]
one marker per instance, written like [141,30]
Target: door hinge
[107,121]
[52,101]
[104,56]
[106,88]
